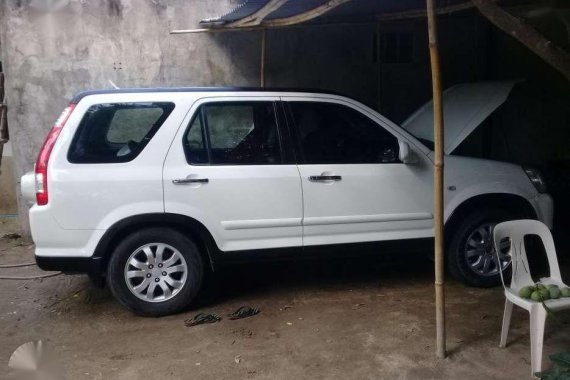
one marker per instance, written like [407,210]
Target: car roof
[83,94]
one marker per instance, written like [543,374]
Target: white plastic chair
[515,231]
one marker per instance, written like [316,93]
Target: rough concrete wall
[49,57]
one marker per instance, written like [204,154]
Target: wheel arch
[181,223]
[513,203]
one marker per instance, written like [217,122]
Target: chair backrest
[515,231]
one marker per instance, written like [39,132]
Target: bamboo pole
[262,65]
[437,178]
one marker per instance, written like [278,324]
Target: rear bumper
[92,266]
[88,265]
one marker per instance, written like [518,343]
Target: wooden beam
[418,13]
[305,16]
[555,56]
[257,17]
[437,178]
[261,27]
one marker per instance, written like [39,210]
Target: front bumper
[544,207]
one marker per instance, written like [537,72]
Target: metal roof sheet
[361,10]
[244,9]
[295,7]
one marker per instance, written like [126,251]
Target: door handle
[316,178]
[190,180]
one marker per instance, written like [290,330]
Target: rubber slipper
[201,319]
[243,312]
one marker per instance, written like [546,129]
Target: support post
[437,179]
[262,65]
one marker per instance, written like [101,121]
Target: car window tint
[229,125]
[241,133]
[194,142]
[116,132]
[333,133]
[132,124]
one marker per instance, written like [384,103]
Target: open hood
[465,107]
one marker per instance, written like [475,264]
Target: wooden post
[263,38]
[437,179]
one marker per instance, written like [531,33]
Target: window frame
[201,112]
[167,106]
[296,133]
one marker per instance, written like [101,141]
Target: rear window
[116,132]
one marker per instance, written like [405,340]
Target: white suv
[152,187]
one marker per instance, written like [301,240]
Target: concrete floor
[341,319]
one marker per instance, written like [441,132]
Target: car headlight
[536,179]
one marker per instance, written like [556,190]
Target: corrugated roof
[246,8]
[361,10]
[294,7]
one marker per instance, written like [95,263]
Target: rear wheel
[471,253]
[155,272]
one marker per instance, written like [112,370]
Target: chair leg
[506,323]
[537,322]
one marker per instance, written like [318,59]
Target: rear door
[355,188]
[227,168]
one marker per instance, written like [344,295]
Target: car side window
[195,142]
[237,133]
[116,132]
[331,133]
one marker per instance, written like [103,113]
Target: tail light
[45,153]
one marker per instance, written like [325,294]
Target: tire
[175,274]
[471,270]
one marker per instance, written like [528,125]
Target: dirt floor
[340,319]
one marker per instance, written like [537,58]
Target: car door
[355,188]
[227,169]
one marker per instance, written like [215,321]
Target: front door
[226,169]
[355,188]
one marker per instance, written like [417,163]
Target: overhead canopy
[274,13]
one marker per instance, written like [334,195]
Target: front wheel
[471,253]
[155,272]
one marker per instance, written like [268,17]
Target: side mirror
[407,155]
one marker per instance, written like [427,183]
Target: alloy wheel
[155,272]
[480,253]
